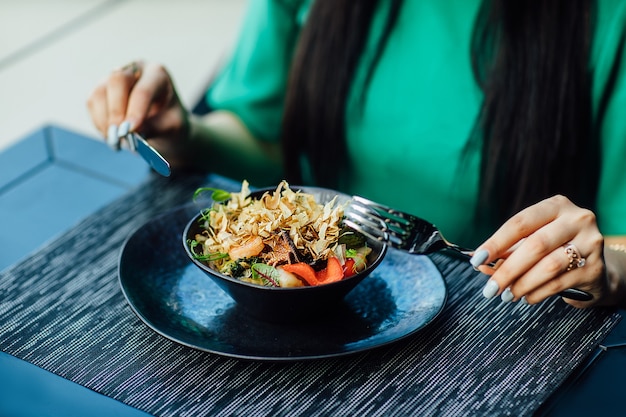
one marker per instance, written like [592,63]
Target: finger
[522,225]
[550,274]
[587,278]
[539,255]
[578,243]
[119,85]
[113,138]
[489,269]
[563,269]
[151,92]
[97,107]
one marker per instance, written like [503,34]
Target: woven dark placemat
[63,310]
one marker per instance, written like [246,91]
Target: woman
[463,114]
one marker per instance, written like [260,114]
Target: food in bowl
[282,238]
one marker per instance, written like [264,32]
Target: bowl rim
[360,275]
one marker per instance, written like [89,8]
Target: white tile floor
[53,52]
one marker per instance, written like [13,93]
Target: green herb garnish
[202,257]
[266,273]
[216,194]
[351,238]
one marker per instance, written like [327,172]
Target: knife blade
[151,155]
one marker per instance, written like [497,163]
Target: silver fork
[410,233]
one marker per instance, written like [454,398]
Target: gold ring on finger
[574,257]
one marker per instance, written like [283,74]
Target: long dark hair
[324,64]
[529,57]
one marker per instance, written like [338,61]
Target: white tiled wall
[53,52]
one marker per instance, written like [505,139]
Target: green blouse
[406,146]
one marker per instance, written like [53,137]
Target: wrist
[615,260]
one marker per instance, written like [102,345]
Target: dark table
[64,312]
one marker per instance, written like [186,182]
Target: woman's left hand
[532,260]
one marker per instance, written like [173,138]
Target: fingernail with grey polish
[523,301]
[479,258]
[507,296]
[123,129]
[113,139]
[123,133]
[491,289]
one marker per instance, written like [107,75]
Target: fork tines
[361,224]
[377,221]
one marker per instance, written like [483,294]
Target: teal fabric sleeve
[609,99]
[252,84]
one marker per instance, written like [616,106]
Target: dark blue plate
[175,299]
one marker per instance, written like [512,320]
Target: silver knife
[151,155]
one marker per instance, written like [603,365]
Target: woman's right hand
[142,95]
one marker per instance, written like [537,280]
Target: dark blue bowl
[288,304]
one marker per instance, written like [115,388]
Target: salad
[282,239]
